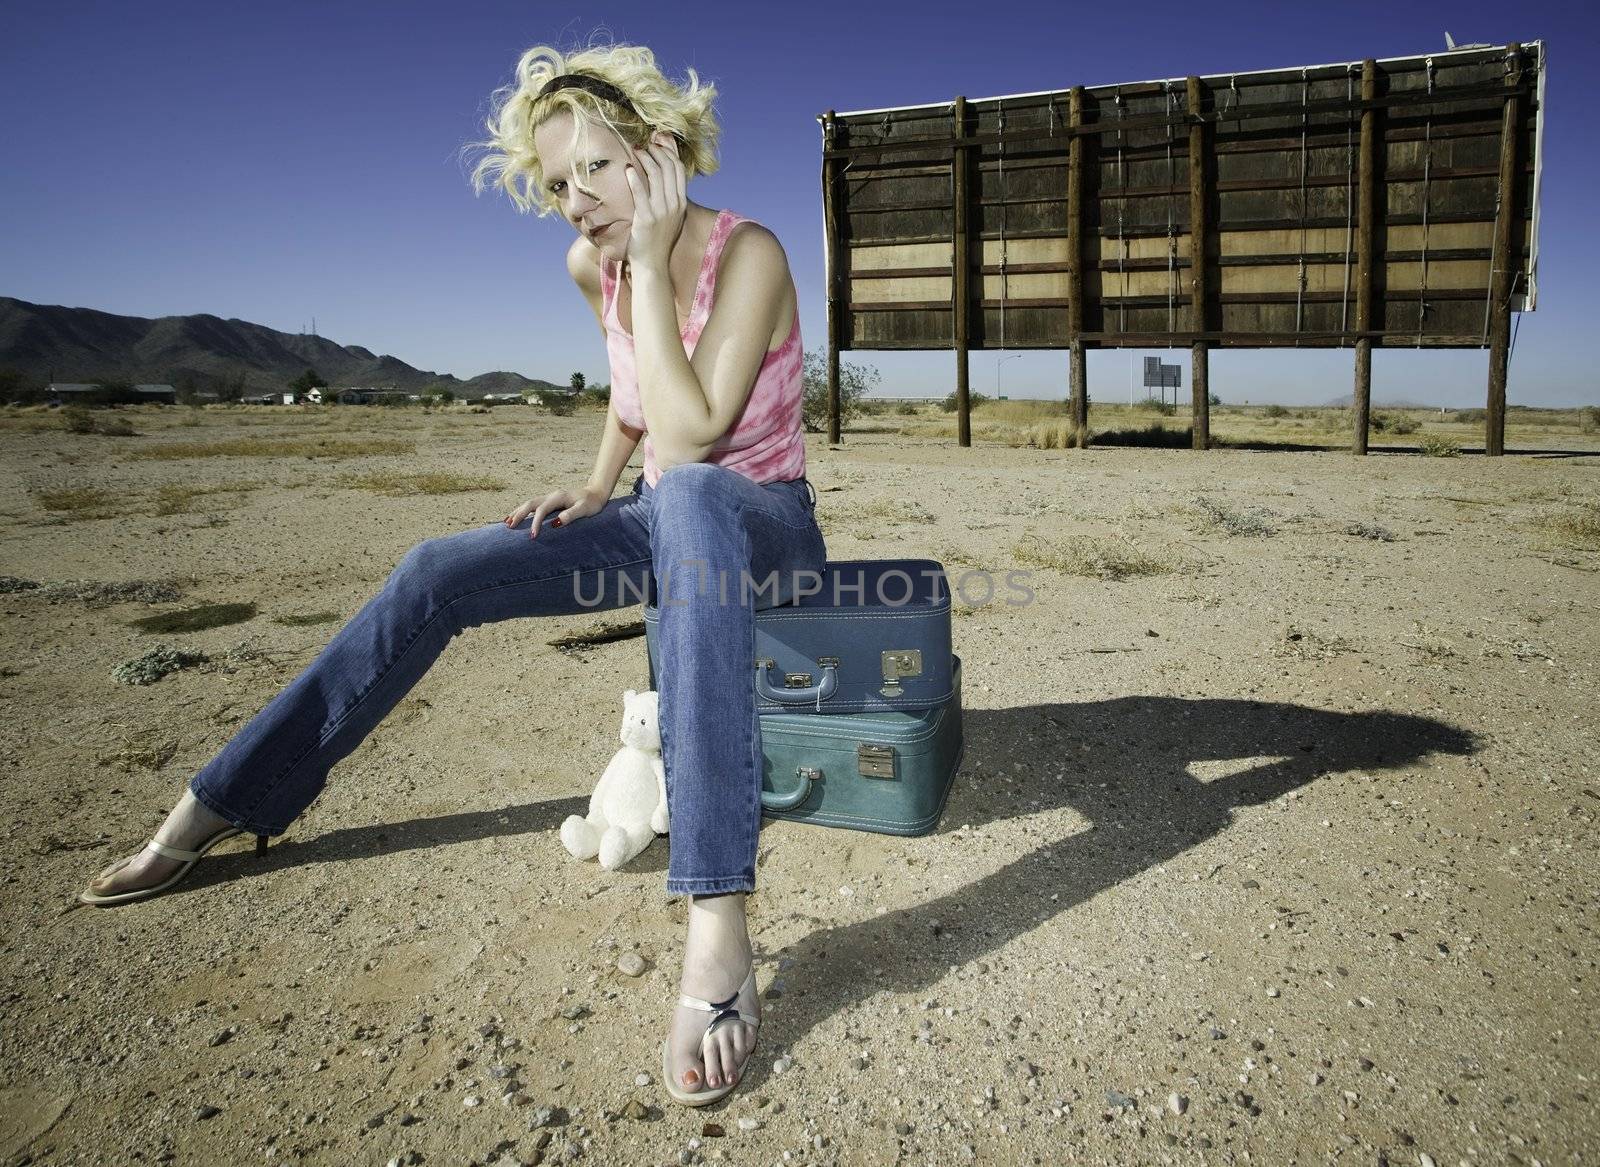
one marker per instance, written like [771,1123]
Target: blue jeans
[711,540]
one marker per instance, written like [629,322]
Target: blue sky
[289,161]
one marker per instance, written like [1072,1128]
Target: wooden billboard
[1388,202]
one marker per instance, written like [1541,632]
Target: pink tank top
[766,442]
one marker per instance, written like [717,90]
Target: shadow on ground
[1128,766]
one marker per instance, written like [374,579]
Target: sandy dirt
[1294,836]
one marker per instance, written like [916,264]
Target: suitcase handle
[806,695]
[774,800]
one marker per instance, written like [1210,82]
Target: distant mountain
[46,342]
[1348,400]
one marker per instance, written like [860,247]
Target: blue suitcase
[887,771]
[873,635]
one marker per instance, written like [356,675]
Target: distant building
[77,391]
[374,396]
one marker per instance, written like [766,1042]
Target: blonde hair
[511,160]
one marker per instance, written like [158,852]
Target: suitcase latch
[797,680]
[897,663]
[875,761]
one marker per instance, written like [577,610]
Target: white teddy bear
[628,808]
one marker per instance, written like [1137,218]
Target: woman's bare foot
[716,957]
[190,824]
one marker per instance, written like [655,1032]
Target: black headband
[601,89]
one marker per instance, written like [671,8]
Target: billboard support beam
[1366,257]
[1199,233]
[1078,364]
[1507,259]
[830,180]
[960,271]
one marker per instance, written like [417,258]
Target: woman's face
[603,214]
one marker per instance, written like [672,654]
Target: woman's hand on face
[659,185]
[568,506]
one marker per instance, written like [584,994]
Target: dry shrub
[1057,434]
[1439,446]
[1214,516]
[1094,556]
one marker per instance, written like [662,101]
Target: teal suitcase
[887,771]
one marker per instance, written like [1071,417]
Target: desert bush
[1439,446]
[1274,411]
[75,419]
[1156,405]
[1251,523]
[974,401]
[1370,531]
[855,381]
[1589,419]
[1470,416]
[151,666]
[1096,557]
[1404,425]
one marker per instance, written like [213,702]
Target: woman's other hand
[659,185]
[566,505]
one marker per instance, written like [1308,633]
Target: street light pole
[999,369]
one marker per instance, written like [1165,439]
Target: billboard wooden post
[830,176]
[1078,371]
[960,273]
[1507,258]
[1199,229]
[1366,257]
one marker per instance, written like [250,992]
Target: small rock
[574,1012]
[749,1124]
[1116,1100]
[1177,1103]
[1425,1159]
[635,1110]
[1217,1034]
[1251,885]
[206,1111]
[642,1079]
[1273,992]
[471,1101]
[781,1066]
[712,1130]
[223,1035]
[630,964]
[1364,1063]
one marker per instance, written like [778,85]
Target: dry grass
[307,619]
[1579,528]
[396,484]
[179,498]
[1094,556]
[76,504]
[878,511]
[334,448]
[1439,446]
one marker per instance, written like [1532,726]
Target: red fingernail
[555,522]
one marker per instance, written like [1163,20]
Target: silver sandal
[187,858]
[723,1012]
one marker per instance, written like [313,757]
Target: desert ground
[1274,840]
